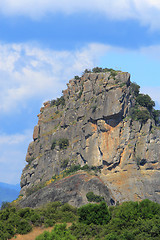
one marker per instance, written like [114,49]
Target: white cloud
[28,72]
[146,11]
[12,157]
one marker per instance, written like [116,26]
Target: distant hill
[8,192]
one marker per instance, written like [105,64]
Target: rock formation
[92,125]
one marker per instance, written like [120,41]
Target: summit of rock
[92,125]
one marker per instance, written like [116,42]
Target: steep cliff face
[90,124]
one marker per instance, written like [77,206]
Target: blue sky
[44,43]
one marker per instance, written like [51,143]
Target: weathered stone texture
[95,121]
[72,189]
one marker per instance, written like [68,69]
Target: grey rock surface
[95,120]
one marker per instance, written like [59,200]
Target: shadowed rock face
[72,189]
[96,122]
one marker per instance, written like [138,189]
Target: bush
[77,77]
[156,116]
[54,143]
[87,71]
[24,227]
[64,163]
[94,213]
[63,143]
[73,168]
[135,88]
[97,70]
[57,102]
[91,197]
[60,232]
[145,101]
[5,205]
[140,115]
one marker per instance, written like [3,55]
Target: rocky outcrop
[72,189]
[90,124]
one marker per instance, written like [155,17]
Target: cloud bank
[147,12]
[28,72]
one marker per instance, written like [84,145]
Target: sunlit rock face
[93,116]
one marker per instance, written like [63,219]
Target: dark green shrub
[64,163]
[25,212]
[87,71]
[140,115]
[94,213]
[49,223]
[5,205]
[24,227]
[85,167]
[35,219]
[80,94]
[97,70]
[135,88]
[145,101]
[57,102]
[91,197]
[63,143]
[156,116]
[77,77]
[112,236]
[73,168]
[148,209]
[94,108]
[54,143]
[60,232]
[83,231]
[60,101]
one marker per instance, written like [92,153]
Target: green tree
[145,101]
[94,213]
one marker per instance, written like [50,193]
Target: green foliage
[140,115]
[83,231]
[91,197]
[5,205]
[24,227]
[63,143]
[135,88]
[94,213]
[73,168]
[58,101]
[87,71]
[128,221]
[77,77]
[97,70]
[54,143]
[60,232]
[94,108]
[80,94]
[145,101]
[156,116]
[64,163]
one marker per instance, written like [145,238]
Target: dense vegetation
[91,197]
[129,221]
[63,143]
[143,108]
